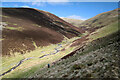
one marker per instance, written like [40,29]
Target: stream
[23,60]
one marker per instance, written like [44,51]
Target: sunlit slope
[75,22]
[100,20]
[98,59]
[95,32]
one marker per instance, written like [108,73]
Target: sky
[76,10]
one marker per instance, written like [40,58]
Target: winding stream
[23,60]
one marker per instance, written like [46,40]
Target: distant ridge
[100,20]
[75,22]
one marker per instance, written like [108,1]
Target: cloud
[76,17]
[41,0]
[52,2]
[25,6]
[57,2]
[38,3]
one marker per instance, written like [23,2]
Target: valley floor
[26,64]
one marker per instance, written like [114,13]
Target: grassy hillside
[98,58]
[74,22]
[94,32]
[28,67]
[93,54]
[100,20]
[29,34]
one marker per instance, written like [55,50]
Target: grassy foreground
[29,67]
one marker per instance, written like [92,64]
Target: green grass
[86,63]
[16,57]
[1,39]
[25,72]
[15,28]
[40,64]
[107,30]
[14,24]
[34,44]
[101,20]
[39,51]
[4,16]
[35,63]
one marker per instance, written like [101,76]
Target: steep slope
[98,61]
[27,28]
[74,22]
[100,20]
[100,26]
[98,58]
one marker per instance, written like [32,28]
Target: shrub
[76,66]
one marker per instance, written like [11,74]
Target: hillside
[101,25]
[24,29]
[90,52]
[98,59]
[75,22]
[100,20]
[96,56]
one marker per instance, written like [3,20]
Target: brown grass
[39,26]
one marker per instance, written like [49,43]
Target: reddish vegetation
[72,53]
[79,41]
[39,26]
[90,30]
[100,20]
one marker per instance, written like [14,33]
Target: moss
[15,28]
[14,24]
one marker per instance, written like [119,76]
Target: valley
[32,41]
